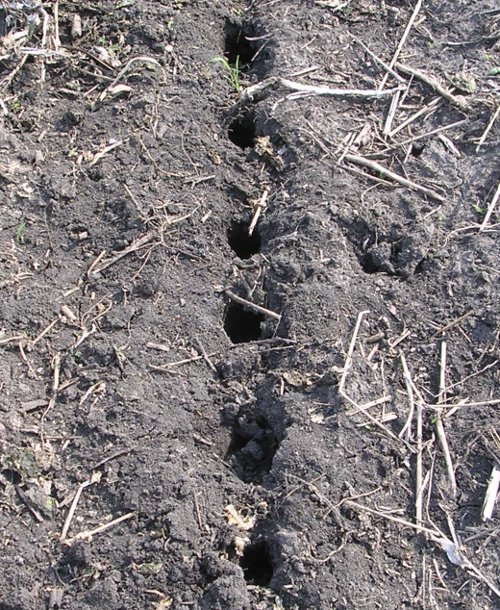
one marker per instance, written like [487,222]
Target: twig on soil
[430,107]
[206,357]
[98,266]
[46,330]
[493,364]
[102,153]
[157,346]
[55,13]
[8,79]
[458,101]
[376,167]
[168,365]
[454,553]
[423,135]
[363,174]
[452,324]
[491,494]
[134,200]
[29,504]
[368,405]
[72,508]
[375,421]
[111,457]
[346,397]
[197,510]
[56,366]
[88,534]
[14,339]
[263,89]
[332,553]
[461,405]
[406,430]
[350,351]
[415,407]
[392,72]
[439,421]
[155,164]
[490,210]
[402,41]
[456,557]
[126,68]
[68,314]
[404,522]
[259,206]
[488,128]
[250,305]
[392,113]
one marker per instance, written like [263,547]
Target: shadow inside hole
[252,449]
[242,131]
[242,325]
[417,150]
[237,47]
[12,476]
[370,264]
[243,244]
[256,564]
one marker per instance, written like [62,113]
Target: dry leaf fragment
[234,517]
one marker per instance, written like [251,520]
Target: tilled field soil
[249,316]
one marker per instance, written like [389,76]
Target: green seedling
[232,71]
[19,235]
[15,106]
[478,209]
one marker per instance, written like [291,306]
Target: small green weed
[232,71]
[19,235]
[15,106]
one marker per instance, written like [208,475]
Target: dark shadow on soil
[237,47]
[254,441]
[257,565]
[243,244]
[242,325]
[242,130]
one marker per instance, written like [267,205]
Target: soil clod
[252,449]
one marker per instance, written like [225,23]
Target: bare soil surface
[195,417]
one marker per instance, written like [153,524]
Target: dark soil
[237,445]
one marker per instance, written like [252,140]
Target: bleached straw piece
[491,207]
[402,42]
[491,494]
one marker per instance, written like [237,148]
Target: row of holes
[240,324]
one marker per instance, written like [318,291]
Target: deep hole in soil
[369,265]
[242,325]
[237,46]
[243,244]
[417,150]
[242,131]
[12,476]
[252,449]
[420,268]
[256,564]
